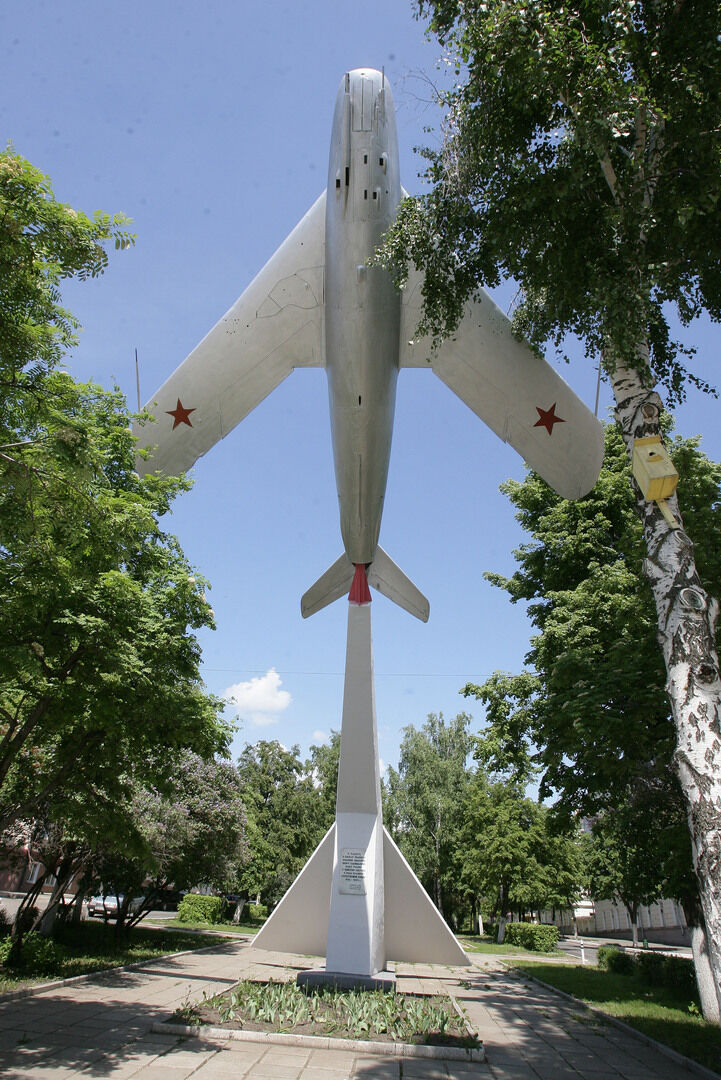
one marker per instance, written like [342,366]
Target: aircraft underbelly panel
[362,308]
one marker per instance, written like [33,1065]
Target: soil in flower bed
[343,1014]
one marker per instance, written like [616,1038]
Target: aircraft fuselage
[362,306]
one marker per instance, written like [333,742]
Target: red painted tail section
[359,591]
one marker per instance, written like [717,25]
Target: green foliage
[92,946]
[323,767]
[536,937]
[565,165]
[42,242]
[208,909]
[424,799]
[674,972]
[99,665]
[653,969]
[258,911]
[624,855]
[287,815]
[37,955]
[357,1014]
[192,835]
[25,919]
[509,851]
[616,960]
[592,714]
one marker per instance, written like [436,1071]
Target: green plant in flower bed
[355,1014]
[665,1013]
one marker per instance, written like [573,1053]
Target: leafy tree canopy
[99,665]
[581,157]
[592,711]
[287,817]
[42,241]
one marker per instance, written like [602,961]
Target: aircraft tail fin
[388,578]
[383,575]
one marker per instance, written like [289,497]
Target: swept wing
[512,389]
[274,326]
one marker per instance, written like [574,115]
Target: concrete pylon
[357,901]
[356,927]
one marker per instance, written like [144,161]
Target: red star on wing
[547,418]
[180,414]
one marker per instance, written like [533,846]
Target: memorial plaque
[352,871]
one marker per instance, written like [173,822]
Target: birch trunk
[704,976]
[686,631]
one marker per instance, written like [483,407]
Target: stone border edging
[44,988]
[667,1051]
[320,1042]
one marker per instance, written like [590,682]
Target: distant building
[662,921]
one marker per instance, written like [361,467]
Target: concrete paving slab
[99,1029]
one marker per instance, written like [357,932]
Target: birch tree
[581,157]
[424,802]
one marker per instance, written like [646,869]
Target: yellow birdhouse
[653,468]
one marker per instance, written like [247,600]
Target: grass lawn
[474,943]
[655,1011]
[93,947]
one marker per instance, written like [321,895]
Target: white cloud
[319,737]
[260,699]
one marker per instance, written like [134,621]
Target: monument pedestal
[357,901]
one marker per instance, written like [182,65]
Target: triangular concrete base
[415,931]
[299,924]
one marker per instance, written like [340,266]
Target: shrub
[5,923]
[537,937]
[37,955]
[41,955]
[611,958]
[674,972]
[196,908]
[258,911]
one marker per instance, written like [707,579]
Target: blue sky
[208,125]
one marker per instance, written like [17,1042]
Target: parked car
[105,906]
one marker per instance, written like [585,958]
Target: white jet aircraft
[317,303]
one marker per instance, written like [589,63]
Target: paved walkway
[101,1027]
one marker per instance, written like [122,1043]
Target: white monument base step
[340,980]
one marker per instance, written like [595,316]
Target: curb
[320,1042]
[44,988]
[667,1051]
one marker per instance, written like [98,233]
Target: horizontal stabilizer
[333,584]
[389,579]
